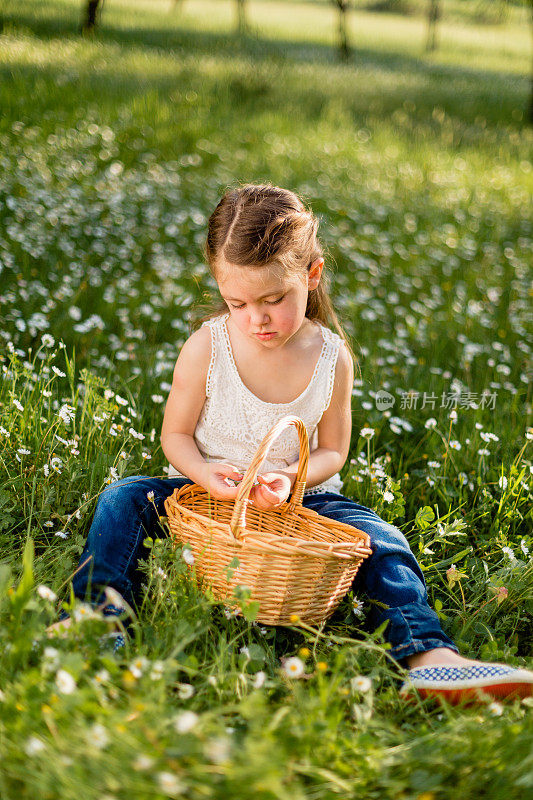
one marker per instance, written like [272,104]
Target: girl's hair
[259,225]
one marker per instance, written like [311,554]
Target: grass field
[114,150]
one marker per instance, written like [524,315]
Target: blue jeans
[391,575]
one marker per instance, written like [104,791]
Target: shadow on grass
[191,104]
[492,96]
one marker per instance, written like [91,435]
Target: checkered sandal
[459,684]
[118,639]
[111,610]
[120,643]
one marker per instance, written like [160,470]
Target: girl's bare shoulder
[187,393]
[195,354]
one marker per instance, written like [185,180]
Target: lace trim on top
[234,420]
[327,336]
[229,351]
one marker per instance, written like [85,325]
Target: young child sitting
[267,352]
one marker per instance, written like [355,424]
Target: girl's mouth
[266,335]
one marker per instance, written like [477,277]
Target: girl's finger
[269,495]
[264,487]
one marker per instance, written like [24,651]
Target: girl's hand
[214,481]
[273,489]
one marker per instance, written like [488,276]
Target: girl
[268,351]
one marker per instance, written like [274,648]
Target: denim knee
[132,481]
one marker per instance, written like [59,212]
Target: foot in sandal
[443,674]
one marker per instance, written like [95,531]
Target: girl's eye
[271,303]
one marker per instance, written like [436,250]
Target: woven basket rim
[354,546]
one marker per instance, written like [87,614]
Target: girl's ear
[314,273]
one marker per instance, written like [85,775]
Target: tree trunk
[434,13]
[241,16]
[531,96]
[92,14]
[344,48]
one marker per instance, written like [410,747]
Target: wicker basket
[293,560]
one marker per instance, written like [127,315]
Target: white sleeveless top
[233,421]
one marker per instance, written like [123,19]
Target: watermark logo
[449,400]
[384,400]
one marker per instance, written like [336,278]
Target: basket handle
[238,518]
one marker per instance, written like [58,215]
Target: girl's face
[265,307]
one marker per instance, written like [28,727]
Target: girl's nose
[258,317]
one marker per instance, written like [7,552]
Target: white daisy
[158,668]
[66,413]
[46,593]
[360,683]
[259,679]
[47,340]
[138,666]
[170,784]
[293,667]
[65,682]
[34,746]
[357,607]
[185,721]
[85,611]
[218,749]
[185,691]
[50,653]
[143,762]
[98,736]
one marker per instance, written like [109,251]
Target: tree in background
[93,10]
[434,14]
[344,47]
[242,24]
[531,29]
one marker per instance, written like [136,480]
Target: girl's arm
[183,408]
[184,404]
[334,428]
